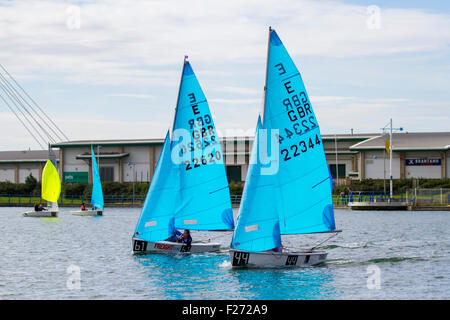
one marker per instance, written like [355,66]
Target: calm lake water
[379,255]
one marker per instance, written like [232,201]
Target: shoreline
[234,205]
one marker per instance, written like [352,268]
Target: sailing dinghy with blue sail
[296,197]
[189,189]
[97,201]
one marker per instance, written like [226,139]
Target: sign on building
[76,177]
[423,162]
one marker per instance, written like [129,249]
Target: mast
[178,96]
[265,81]
[390,161]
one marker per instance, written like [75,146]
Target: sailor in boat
[186,238]
[176,235]
[83,207]
[39,207]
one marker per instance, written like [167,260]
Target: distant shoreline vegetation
[33,188]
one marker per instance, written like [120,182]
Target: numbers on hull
[240,258]
[291,260]
[139,245]
[185,248]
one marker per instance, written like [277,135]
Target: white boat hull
[266,259]
[40,214]
[140,246]
[87,213]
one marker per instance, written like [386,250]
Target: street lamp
[384,129]
[130,164]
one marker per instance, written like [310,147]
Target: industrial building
[357,156]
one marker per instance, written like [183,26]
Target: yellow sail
[51,184]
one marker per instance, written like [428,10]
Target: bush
[30,184]
[236,188]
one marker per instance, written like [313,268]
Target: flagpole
[391,187]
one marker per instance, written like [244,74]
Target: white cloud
[134,51]
[115,38]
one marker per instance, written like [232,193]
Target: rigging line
[34,102]
[11,93]
[9,87]
[21,122]
[31,107]
[28,120]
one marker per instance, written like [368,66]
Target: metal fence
[439,196]
[79,199]
[416,196]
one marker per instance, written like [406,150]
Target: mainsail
[97,193]
[299,192]
[305,199]
[189,189]
[204,193]
[51,184]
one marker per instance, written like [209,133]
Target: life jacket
[187,241]
[175,237]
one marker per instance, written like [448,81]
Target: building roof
[160,141]
[119,142]
[412,141]
[28,156]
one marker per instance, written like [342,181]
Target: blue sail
[304,197]
[156,221]
[204,194]
[257,227]
[97,194]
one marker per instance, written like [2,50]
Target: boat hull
[246,259]
[87,213]
[167,247]
[40,214]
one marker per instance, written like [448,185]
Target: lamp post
[130,164]
[337,164]
[385,128]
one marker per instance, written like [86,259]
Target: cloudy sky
[109,69]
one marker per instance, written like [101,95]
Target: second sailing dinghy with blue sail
[97,201]
[189,189]
[294,196]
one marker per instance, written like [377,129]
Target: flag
[387,143]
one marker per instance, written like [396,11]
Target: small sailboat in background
[97,201]
[296,198]
[50,190]
[190,194]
